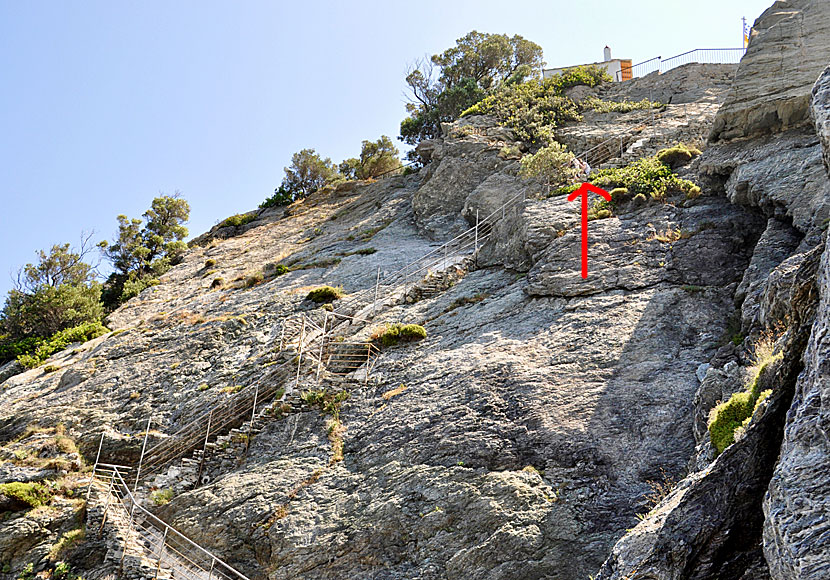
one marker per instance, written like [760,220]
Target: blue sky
[104,104]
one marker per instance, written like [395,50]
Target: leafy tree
[281,197]
[488,59]
[59,292]
[455,80]
[145,249]
[376,158]
[307,173]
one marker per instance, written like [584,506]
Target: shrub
[325,294]
[550,165]
[275,270]
[395,333]
[161,496]
[10,349]
[33,494]
[254,279]
[210,263]
[66,542]
[625,106]
[238,220]
[565,189]
[646,176]
[532,109]
[678,155]
[510,152]
[217,282]
[51,369]
[618,193]
[726,419]
[61,340]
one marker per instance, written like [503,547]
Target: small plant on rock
[161,496]
[325,294]
[678,155]
[396,333]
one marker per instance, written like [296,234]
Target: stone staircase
[140,546]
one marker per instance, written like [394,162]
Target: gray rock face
[796,531]
[783,175]
[710,525]
[776,244]
[820,109]
[685,84]
[787,52]
[455,181]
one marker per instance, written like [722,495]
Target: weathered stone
[787,52]
[796,532]
[782,174]
[775,245]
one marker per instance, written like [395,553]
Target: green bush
[736,413]
[11,349]
[33,494]
[136,285]
[396,333]
[161,496]
[626,106]
[532,109]
[281,197]
[210,263]
[550,165]
[325,294]
[645,176]
[238,220]
[728,417]
[61,340]
[678,155]
[217,282]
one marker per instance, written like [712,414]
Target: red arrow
[584,190]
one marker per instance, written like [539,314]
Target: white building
[619,69]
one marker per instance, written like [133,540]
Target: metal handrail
[719,52]
[123,493]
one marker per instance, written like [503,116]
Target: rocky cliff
[545,425]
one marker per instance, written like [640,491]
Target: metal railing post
[300,354]
[253,414]
[204,451]
[322,344]
[405,282]
[476,232]
[377,287]
[161,552]
[129,533]
[95,467]
[210,572]
[107,506]
[141,459]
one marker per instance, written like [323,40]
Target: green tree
[455,80]
[59,292]
[307,173]
[376,158]
[488,59]
[145,249]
